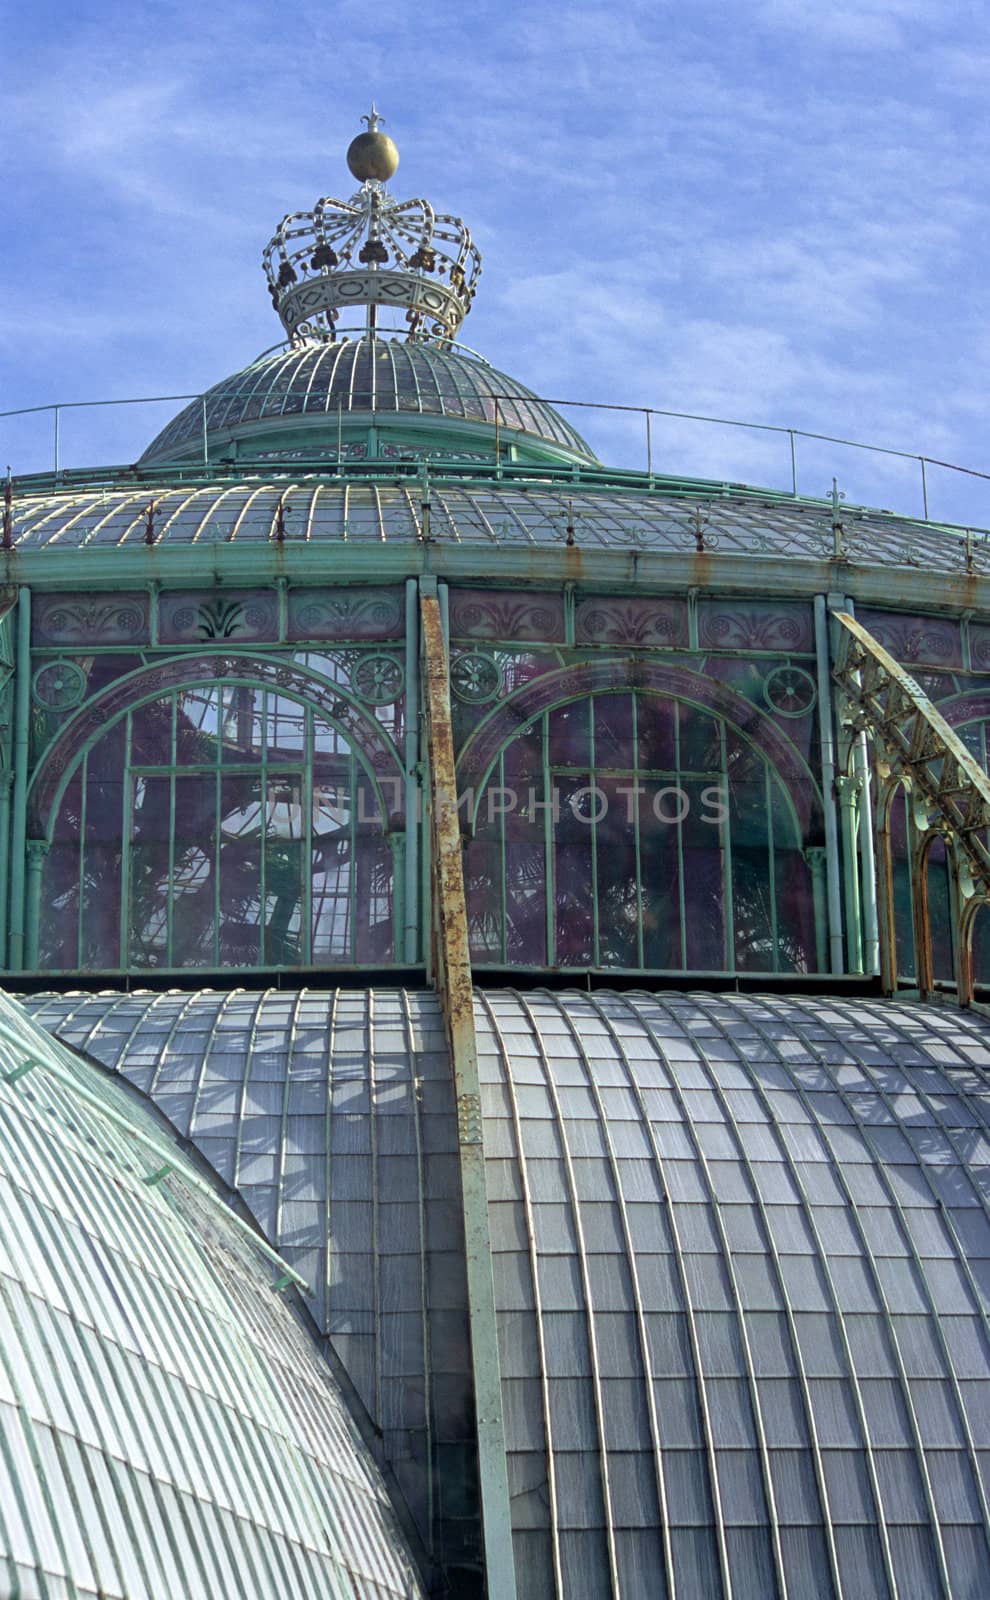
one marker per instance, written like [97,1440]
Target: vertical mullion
[592,779]
[681,899]
[351,941]
[306,833]
[503,896]
[768,798]
[172,791]
[549,860]
[263,884]
[217,819]
[125,844]
[376,1187]
[640,951]
[82,858]
[730,920]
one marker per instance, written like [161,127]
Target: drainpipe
[22,728]
[6,781]
[826,725]
[37,849]
[411,896]
[846,788]
[868,862]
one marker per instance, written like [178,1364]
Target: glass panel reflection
[634,832]
[246,833]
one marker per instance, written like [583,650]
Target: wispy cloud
[771,211]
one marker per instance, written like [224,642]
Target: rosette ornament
[372,251]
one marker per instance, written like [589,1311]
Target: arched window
[224,825]
[640,832]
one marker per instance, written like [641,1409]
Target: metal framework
[949,797]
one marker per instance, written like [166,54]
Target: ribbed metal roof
[363,375]
[741,1257]
[496,516]
[169,1425]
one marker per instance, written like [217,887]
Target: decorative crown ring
[372,251]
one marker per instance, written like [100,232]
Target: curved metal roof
[169,1425]
[497,515]
[314,381]
[741,1257]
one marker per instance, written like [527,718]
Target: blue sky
[774,210]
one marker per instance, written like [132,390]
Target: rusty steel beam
[452,970]
[949,794]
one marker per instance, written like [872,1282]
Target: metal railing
[800,473]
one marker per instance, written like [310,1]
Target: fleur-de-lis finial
[374,121]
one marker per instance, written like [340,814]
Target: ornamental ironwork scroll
[914,747]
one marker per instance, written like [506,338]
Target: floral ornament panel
[194,617]
[495,614]
[346,613]
[931,641]
[105,619]
[979,644]
[757,625]
[647,622]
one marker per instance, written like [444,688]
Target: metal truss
[949,797]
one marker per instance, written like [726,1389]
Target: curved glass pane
[630,831]
[218,826]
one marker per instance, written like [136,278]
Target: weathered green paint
[18,840]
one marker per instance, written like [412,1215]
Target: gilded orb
[372,155]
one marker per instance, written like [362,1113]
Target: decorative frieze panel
[756,625]
[89,619]
[979,646]
[494,614]
[345,614]
[931,641]
[407,290]
[648,623]
[193,617]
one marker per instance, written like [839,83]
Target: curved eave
[569,515]
[616,570]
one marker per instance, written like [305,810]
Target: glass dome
[318,381]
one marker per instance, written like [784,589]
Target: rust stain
[450,908]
